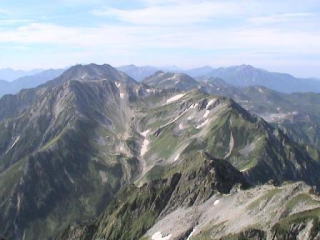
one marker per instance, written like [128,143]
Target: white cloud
[278,18]
[136,38]
[3,12]
[14,21]
[60,35]
[173,13]
[178,32]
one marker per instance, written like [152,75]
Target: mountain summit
[95,141]
[247,75]
[94,72]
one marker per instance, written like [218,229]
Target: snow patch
[158,236]
[145,133]
[206,114]
[84,76]
[175,98]
[122,92]
[150,91]
[69,177]
[231,145]
[193,231]
[194,105]
[177,157]
[14,143]
[145,143]
[18,202]
[211,102]
[203,124]
[244,170]
[103,176]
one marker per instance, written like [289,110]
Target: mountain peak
[94,72]
[171,80]
[246,66]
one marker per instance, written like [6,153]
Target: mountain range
[28,81]
[95,154]
[9,74]
[241,76]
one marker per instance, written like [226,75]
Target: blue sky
[279,35]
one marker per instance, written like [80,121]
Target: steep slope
[168,206]
[296,113]
[246,75]
[68,146]
[193,121]
[268,212]
[63,152]
[137,209]
[205,198]
[169,80]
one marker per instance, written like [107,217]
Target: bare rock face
[190,205]
[177,81]
[95,144]
[137,209]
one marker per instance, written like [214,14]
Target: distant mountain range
[29,81]
[12,81]
[246,75]
[242,76]
[9,74]
[138,73]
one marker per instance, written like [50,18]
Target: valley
[95,154]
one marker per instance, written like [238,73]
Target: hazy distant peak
[9,74]
[138,72]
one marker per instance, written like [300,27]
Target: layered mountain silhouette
[9,74]
[95,154]
[241,76]
[29,81]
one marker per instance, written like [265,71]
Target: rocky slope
[195,121]
[208,199]
[178,81]
[190,183]
[62,150]
[297,114]
[69,146]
